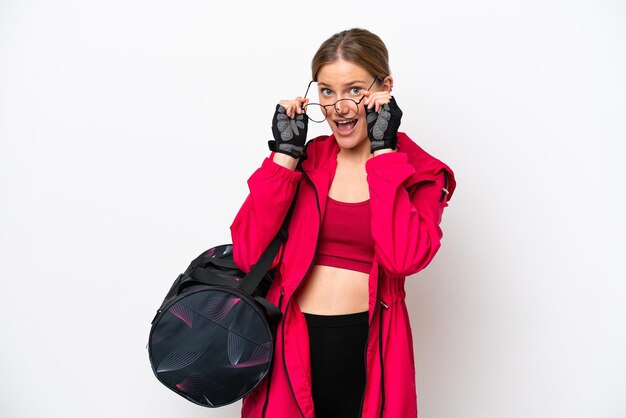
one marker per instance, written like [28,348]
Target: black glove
[382,127]
[289,134]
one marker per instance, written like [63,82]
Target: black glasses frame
[334,105]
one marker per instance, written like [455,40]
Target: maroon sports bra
[346,240]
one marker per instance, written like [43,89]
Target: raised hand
[289,128]
[382,126]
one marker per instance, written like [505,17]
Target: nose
[342,107]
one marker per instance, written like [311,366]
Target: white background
[128,130]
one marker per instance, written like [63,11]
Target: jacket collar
[321,161]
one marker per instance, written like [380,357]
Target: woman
[368,204]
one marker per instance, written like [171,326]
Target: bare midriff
[334,291]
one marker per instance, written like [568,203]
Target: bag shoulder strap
[250,282]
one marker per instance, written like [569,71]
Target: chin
[351,140]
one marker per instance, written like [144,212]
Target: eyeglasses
[345,108]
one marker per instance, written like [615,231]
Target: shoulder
[427,167]
[319,150]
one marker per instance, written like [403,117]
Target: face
[345,80]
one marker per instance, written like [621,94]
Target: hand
[289,127]
[383,121]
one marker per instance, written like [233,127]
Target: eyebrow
[350,83]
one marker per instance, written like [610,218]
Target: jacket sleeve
[405,222]
[272,189]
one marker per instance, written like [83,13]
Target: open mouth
[345,127]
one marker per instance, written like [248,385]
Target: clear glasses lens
[315,112]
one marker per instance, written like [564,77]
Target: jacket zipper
[269,380]
[444,190]
[319,213]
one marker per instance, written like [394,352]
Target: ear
[387,84]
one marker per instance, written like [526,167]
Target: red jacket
[407,203]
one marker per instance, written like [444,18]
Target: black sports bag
[212,339]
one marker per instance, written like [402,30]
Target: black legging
[338,363]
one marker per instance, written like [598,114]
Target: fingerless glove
[382,126]
[289,134]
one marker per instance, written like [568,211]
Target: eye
[355,91]
[326,92]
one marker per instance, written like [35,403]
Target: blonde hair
[356,45]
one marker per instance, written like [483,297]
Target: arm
[272,189]
[405,223]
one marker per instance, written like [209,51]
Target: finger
[306,102]
[291,107]
[303,102]
[377,105]
[366,95]
[379,100]
[371,103]
[383,96]
[286,104]
[287,107]
[300,102]
[372,100]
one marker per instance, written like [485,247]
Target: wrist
[383,151]
[286,148]
[285,160]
